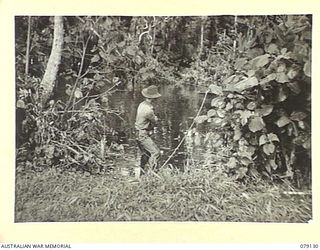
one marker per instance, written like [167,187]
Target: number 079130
[306,246]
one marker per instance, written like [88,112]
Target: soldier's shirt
[145,116]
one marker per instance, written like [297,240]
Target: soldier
[145,121]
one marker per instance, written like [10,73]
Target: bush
[264,108]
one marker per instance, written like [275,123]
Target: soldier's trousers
[150,153]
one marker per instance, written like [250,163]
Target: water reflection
[175,109]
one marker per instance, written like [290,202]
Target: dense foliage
[256,121]
[257,68]
[264,103]
[100,54]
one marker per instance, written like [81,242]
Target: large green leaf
[264,110]
[211,113]
[268,79]
[283,121]
[244,116]
[263,139]
[218,102]
[251,73]
[201,119]
[268,148]
[273,137]
[231,88]
[282,77]
[221,113]
[21,104]
[246,83]
[230,80]
[298,116]
[217,121]
[281,67]
[245,151]
[260,61]
[215,89]
[237,134]
[256,124]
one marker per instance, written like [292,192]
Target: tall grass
[195,195]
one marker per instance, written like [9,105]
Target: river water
[176,110]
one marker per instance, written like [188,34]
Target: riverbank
[197,195]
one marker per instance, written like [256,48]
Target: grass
[198,195]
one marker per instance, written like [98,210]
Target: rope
[182,140]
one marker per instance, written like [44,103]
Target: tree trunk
[50,74]
[203,20]
[235,34]
[28,49]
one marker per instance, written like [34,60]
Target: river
[175,109]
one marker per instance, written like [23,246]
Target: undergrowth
[195,195]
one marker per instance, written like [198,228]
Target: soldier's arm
[151,116]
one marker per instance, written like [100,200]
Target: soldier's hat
[151,92]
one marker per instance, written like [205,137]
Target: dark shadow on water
[176,109]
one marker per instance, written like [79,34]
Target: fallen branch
[67,146]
